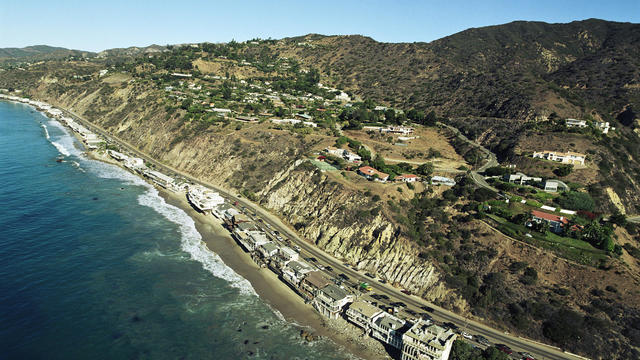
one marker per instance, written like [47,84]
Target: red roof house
[556,222]
[370,173]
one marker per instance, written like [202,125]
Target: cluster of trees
[462,350]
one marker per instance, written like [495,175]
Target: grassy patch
[566,247]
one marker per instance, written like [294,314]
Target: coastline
[273,291]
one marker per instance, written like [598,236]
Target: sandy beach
[272,290]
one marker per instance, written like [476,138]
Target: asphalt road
[495,336]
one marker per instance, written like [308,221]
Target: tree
[425,169]
[563,170]
[575,200]
[598,236]
[618,218]
[431,118]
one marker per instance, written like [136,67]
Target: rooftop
[365,308]
[389,321]
[334,292]
[550,217]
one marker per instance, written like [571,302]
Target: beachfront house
[268,250]
[160,179]
[331,300]
[295,271]
[311,283]
[566,158]
[556,223]
[362,314]
[423,341]
[373,174]
[388,329]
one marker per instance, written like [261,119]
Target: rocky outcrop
[345,224]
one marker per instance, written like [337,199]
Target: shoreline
[268,287]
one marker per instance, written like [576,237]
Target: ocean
[95,265]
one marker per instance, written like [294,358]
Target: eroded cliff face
[341,222]
[268,163]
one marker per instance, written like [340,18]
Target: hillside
[208,109]
[37,53]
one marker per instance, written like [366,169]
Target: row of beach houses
[418,340]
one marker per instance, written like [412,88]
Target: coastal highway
[541,351]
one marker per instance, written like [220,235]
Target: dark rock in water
[304,334]
[136,318]
[239,330]
[250,353]
[256,342]
[116,336]
[265,327]
[58,160]
[95,198]
[246,342]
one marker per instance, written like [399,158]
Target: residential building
[407,178]
[388,329]
[220,210]
[566,158]
[159,178]
[268,250]
[556,223]
[252,240]
[427,342]
[351,157]
[362,314]
[441,180]
[555,185]
[404,130]
[312,283]
[520,178]
[331,300]
[371,173]
[603,126]
[576,123]
[334,151]
[295,270]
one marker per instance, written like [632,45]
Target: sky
[98,25]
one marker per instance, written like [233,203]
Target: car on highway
[482,340]
[504,348]
[406,292]
[329,268]
[344,277]
[466,335]
[384,297]
[399,304]
[427,308]
[383,281]
[411,312]
[526,356]
[369,275]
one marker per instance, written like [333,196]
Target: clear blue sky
[96,26]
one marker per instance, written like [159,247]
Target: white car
[466,335]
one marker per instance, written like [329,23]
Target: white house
[423,341]
[520,178]
[331,300]
[576,123]
[407,178]
[436,180]
[566,158]
[388,329]
[295,270]
[362,314]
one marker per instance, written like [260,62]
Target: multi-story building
[362,313]
[427,342]
[331,300]
[389,329]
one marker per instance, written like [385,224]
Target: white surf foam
[46,132]
[191,241]
[63,142]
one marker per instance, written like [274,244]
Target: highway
[541,351]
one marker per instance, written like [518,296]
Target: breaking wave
[191,241]
[46,132]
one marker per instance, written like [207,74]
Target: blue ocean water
[95,265]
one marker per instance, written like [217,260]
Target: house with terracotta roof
[407,178]
[370,173]
[556,223]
